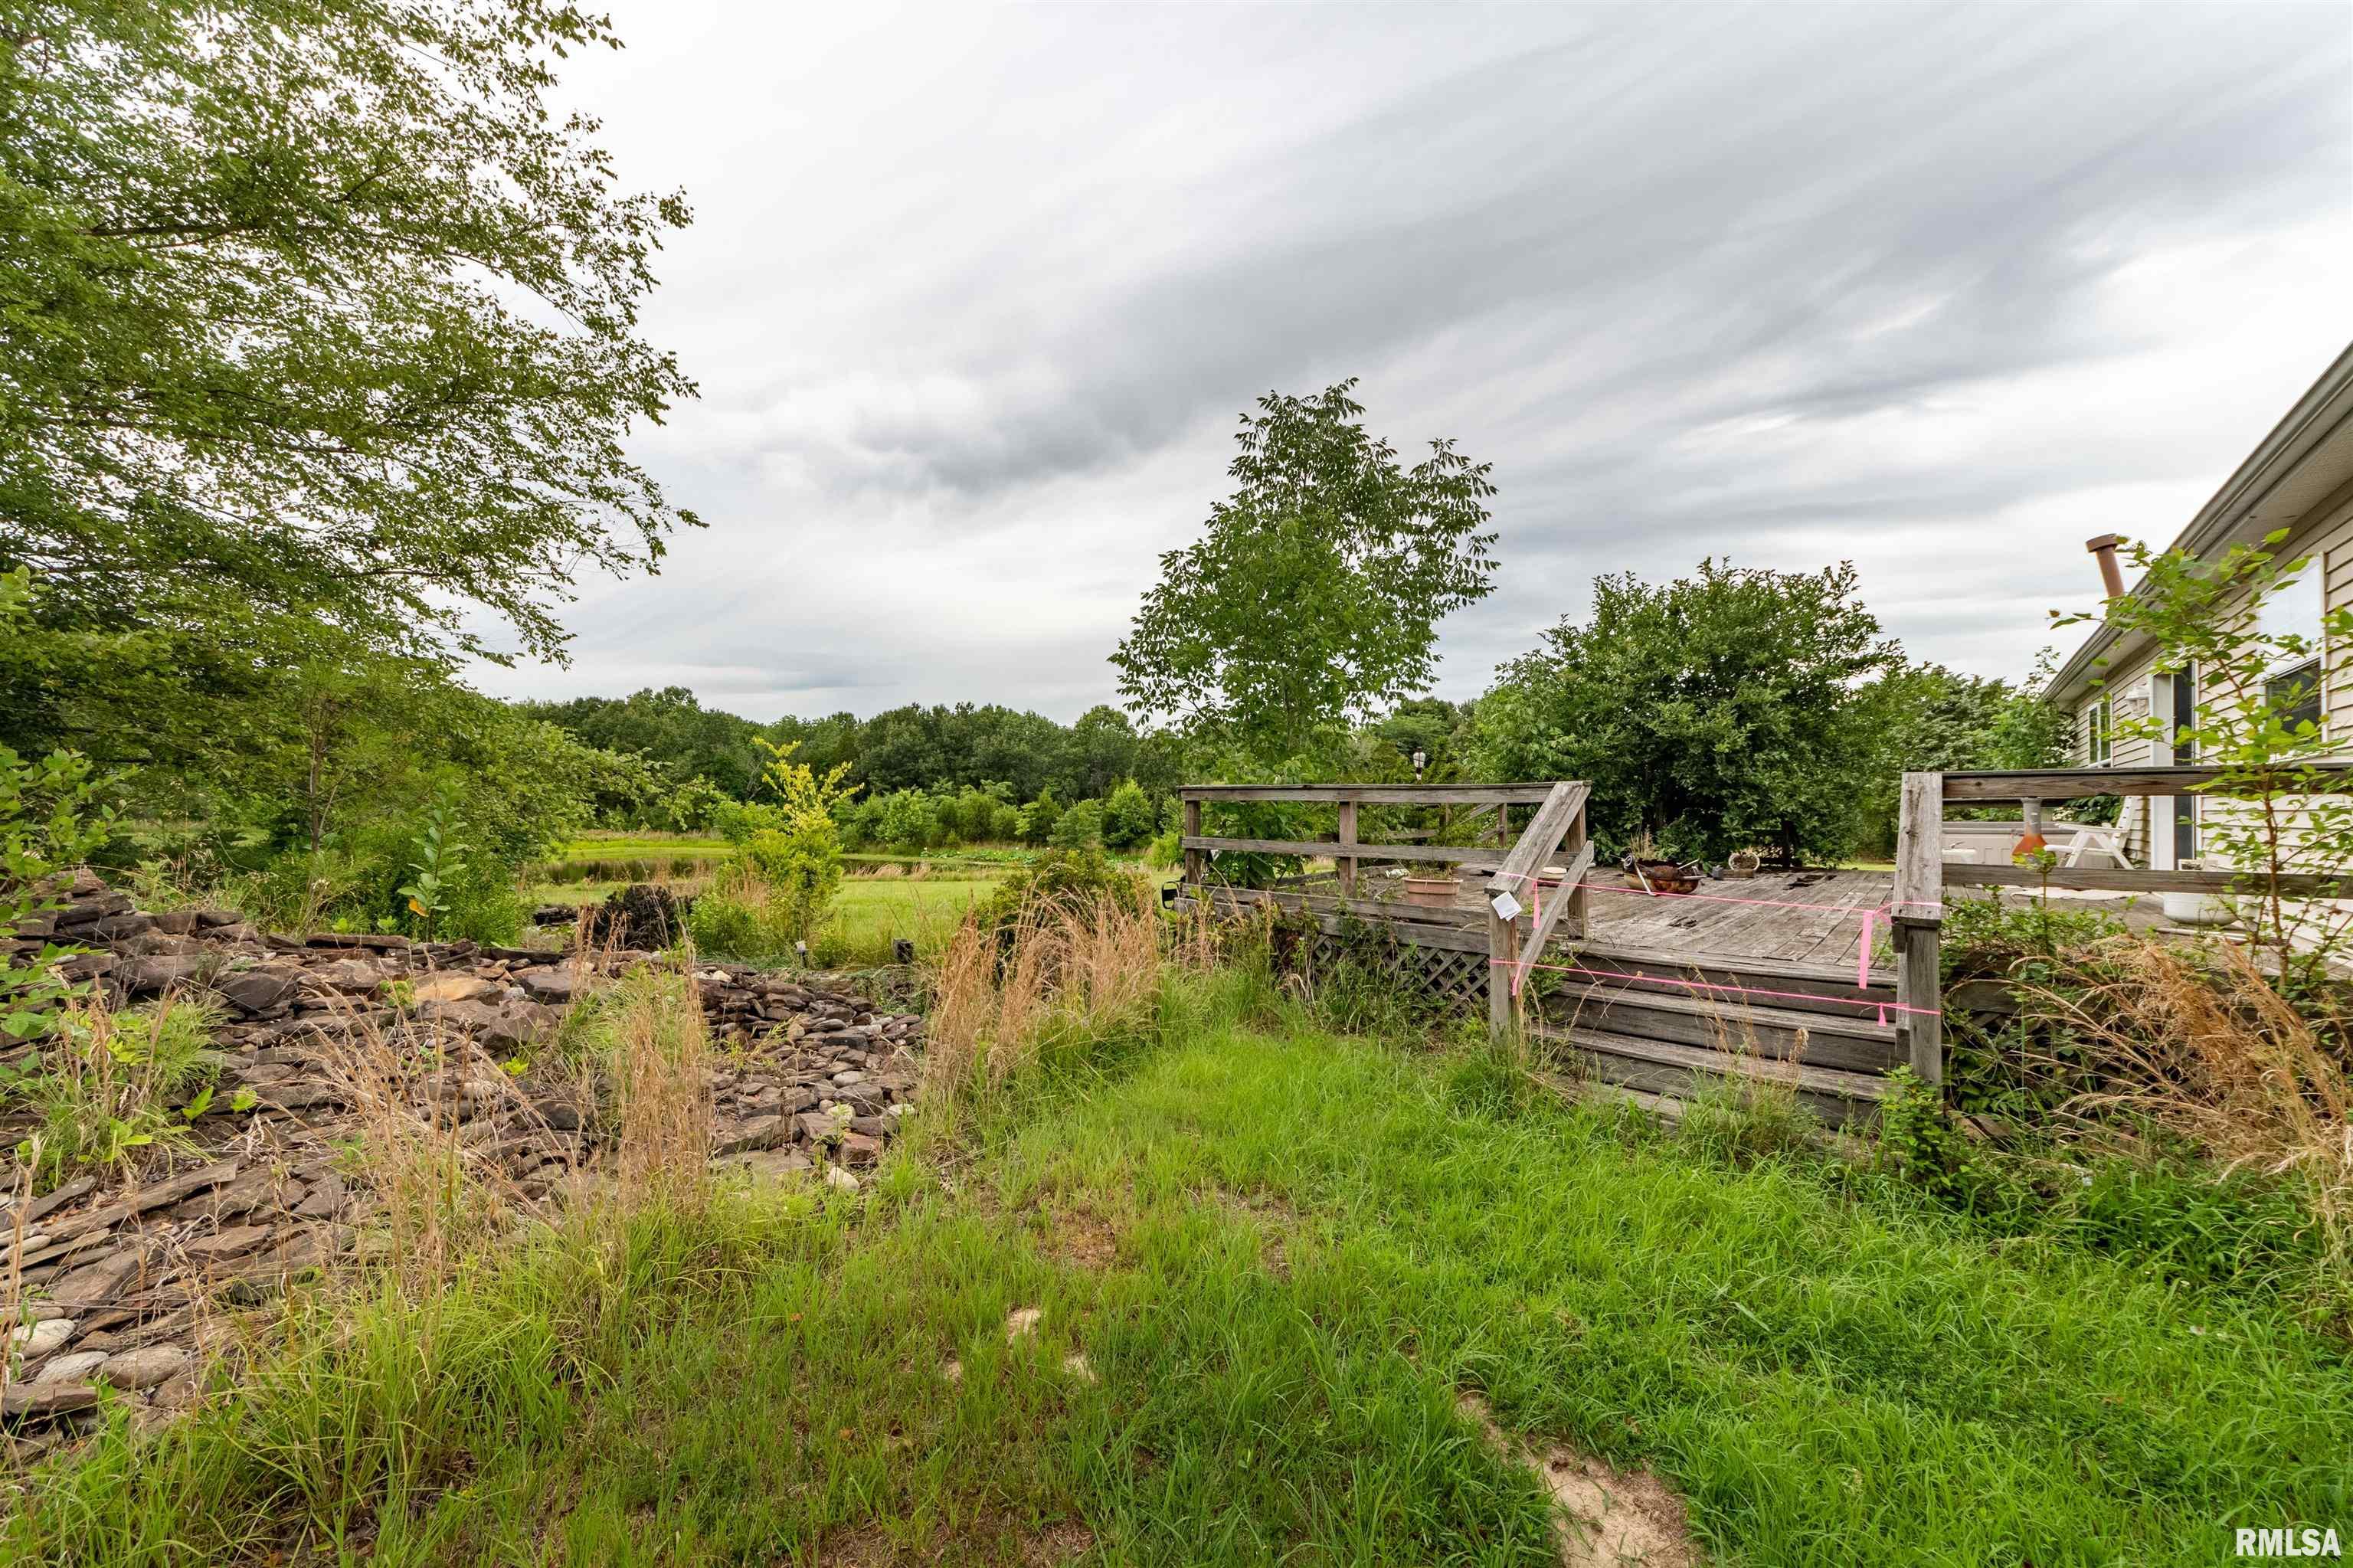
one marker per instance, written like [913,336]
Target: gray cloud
[974,298]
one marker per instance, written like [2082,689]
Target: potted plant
[1433,885]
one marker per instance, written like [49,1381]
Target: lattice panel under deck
[1449,977]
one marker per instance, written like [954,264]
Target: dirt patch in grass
[867,1547]
[1081,1236]
[1603,1516]
[1274,1219]
[1062,1541]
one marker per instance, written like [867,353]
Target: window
[2097,741]
[2184,684]
[2293,688]
[2295,610]
[2294,694]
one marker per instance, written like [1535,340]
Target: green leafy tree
[1037,819]
[1715,713]
[1313,597]
[319,310]
[1928,717]
[909,822]
[798,855]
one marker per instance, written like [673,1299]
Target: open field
[1266,1265]
[868,913]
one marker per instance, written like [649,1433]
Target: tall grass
[2202,1044]
[434,1198]
[1059,984]
[659,1050]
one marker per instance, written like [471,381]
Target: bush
[800,866]
[741,918]
[1129,819]
[1039,819]
[909,821]
[1080,828]
[1077,882]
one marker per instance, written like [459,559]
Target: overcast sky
[975,296]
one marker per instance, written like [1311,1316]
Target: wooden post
[1502,957]
[1347,862]
[1573,922]
[1503,824]
[1195,862]
[1918,907]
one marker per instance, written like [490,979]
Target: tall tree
[317,308]
[1314,595]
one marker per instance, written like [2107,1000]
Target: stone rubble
[117,1281]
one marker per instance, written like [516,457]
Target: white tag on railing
[1506,907]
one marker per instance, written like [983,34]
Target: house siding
[2327,539]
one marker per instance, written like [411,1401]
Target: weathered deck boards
[1826,929]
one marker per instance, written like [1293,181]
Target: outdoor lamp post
[1421,761]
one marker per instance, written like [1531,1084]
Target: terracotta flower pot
[1429,889]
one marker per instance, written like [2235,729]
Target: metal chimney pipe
[2104,548]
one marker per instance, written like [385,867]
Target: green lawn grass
[871,911]
[1282,1256]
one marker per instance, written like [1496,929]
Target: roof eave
[2327,403]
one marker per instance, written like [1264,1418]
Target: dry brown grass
[12,1283]
[436,1198]
[659,1055]
[1059,975]
[2203,1044]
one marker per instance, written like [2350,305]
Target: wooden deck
[1805,917]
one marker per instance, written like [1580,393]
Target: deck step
[1662,1068]
[1857,1042]
[1816,988]
[1666,1107]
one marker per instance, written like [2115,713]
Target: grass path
[1282,1258]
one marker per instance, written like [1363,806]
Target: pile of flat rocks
[122,1278]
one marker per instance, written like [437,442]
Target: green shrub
[1129,818]
[1038,818]
[1077,881]
[1080,828]
[909,821]
[741,918]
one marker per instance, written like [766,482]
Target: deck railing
[1922,872]
[1519,918]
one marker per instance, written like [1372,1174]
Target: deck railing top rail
[1376,794]
[1920,860]
[2075,783]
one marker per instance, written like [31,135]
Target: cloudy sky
[975,296]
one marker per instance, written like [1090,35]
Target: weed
[1743,1120]
[108,1088]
